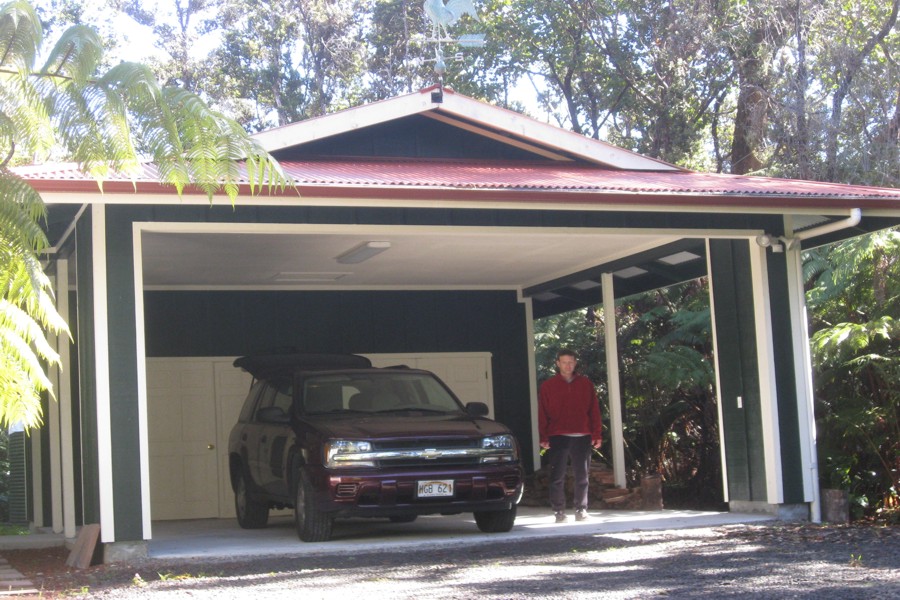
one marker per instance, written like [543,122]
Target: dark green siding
[738,372]
[19,497]
[235,323]
[415,136]
[87,370]
[124,424]
[238,323]
[783,333]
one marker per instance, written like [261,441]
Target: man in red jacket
[569,425]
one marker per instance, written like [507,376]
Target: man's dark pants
[562,449]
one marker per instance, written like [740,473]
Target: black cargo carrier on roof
[264,365]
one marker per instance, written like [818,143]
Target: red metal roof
[513,181]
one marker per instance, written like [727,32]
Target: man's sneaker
[560,517]
[581,515]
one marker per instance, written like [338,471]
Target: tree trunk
[750,122]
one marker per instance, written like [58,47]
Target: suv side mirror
[477,409]
[272,414]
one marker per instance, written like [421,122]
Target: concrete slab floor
[223,538]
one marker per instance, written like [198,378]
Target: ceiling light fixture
[630,272]
[362,252]
[679,257]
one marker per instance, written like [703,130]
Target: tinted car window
[250,402]
[376,392]
[277,393]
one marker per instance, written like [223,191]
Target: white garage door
[192,403]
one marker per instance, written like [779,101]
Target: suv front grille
[427,452]
[426,443]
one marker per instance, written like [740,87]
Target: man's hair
[566,352]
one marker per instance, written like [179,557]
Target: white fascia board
[548,135]
[643,203]
[475,111]
[351,119]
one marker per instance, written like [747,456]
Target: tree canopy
[66,107]
[798,88]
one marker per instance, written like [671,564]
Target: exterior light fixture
[362,252]
[770,241]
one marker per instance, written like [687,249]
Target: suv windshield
[386,391]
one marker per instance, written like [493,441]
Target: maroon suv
[331,436]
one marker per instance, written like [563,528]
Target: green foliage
[667,381]
[856,357]
[105,122]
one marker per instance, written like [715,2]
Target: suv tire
[496,521]
[251,514]
[312,524]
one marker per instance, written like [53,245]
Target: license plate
[436,488]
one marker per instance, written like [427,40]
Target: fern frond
[75,56]
[20,400]
[20,36]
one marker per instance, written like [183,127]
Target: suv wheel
[496,521]
[313,525]
[251,514]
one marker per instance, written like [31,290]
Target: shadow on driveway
[223,538]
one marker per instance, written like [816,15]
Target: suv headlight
[502,448]
[348,453]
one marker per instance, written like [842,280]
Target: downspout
[67,233]
[851,221]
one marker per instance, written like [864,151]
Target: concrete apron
[222,538]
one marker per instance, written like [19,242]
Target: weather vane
[443,16]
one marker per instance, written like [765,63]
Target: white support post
[532,383]
[612,380]
[766,364]
[715,341]
[803,374]
[64,394]
[101,356]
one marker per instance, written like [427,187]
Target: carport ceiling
[552,264]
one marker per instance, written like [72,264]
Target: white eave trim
[343,121]
[550,136]
[521,129]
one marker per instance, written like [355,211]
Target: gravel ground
[774,560]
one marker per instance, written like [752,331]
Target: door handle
[210,446]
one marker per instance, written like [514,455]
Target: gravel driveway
[772,560]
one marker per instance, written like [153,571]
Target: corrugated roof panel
[513,176]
